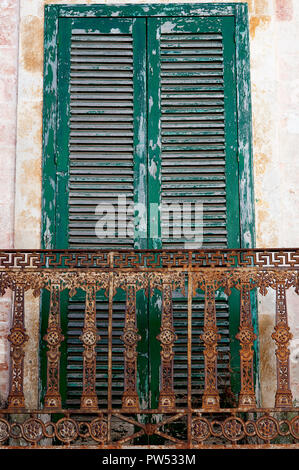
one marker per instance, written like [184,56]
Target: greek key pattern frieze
[151,259]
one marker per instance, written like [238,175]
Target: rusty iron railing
[246,425]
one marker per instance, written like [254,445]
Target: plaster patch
[284,10]
[29,128]
[261,7]
[261,161]
[267,361]
[293,124]
[31,32]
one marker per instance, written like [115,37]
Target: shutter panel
[185,118]
[192,131]
[106,85]
[196,162]
[101,145]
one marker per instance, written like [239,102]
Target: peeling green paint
[147,138]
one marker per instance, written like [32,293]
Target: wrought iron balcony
[186,424]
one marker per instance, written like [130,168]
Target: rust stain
[33,199]
[261,162]
[263,215]
[29,184]
[28,220]
[31,176]
[261,7]
[250,6]
[257,22]
[32,43]
[121,274]
[31,169]
[28,122]
[266,225]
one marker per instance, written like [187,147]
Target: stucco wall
[9,23]
[274,43]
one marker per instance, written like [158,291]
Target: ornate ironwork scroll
[130,338]
[89,338]
[219,432]
[210,337]
[246,337]
[54,339]
[131,282]
[167,337]
[17,338]
[282,336]
[154,259]
[167,282]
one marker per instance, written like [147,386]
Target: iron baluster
[282,337]
[53,338]
[18,339]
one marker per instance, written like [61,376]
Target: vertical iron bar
[282,336]
[110,343]
[167,337]
[210,337]
[110,312]
[130,400]
[89,338]
[189,353]
[17,338]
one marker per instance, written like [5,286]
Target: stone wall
[274,44]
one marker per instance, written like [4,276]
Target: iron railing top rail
[146,259]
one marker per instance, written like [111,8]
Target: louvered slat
[193,170]
[193,140]
[101,133]
[101,169]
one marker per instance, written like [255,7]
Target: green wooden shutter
[104,154]
[146,108]
[192,125]
[193,158]
[101,102]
